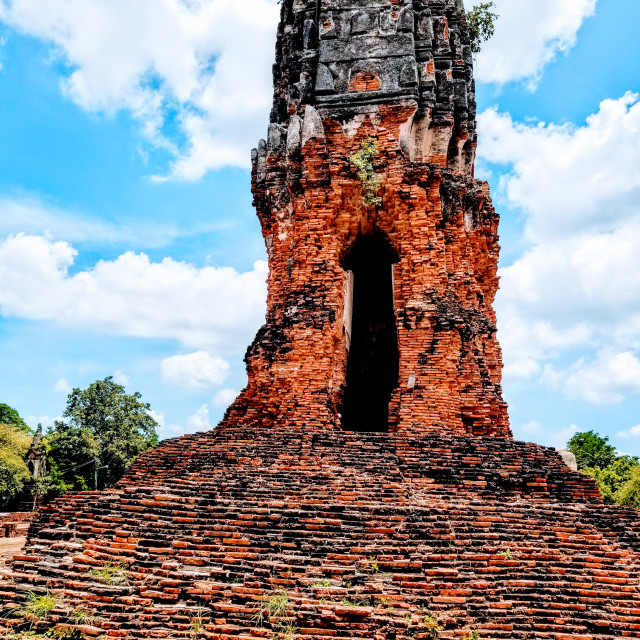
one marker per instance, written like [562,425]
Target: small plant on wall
[482,24]
[363,161]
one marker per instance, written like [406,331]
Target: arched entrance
[372,363]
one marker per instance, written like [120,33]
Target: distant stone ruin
[365,485]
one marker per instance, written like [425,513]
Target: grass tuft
[113,575]
[277,606]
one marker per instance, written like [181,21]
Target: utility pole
[96,468]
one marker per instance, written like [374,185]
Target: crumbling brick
[361,535]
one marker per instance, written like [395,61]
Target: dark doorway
[372,364]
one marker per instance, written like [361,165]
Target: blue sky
[129,247]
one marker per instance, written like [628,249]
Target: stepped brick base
[367,534]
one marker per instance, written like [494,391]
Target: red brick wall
[15,524]
[444,229]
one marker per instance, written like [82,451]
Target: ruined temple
[365,484]
[380,308]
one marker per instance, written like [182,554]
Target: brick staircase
[366,534]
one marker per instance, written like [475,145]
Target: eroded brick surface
[367,534]
[15,524]
[486,534]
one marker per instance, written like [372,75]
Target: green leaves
[481,21]
[629,493]
[14,473]
[11,416]
[103,428]
[617,477]
[591,450]
[363,161]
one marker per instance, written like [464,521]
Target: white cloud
[31,216]
[529,34]
[529,427]
[583,295]
[224,398]
[569,179]
[199,421]
[63,386]
[559,439]
[44,420]
[202,308]
[569,306]
[198,370]
[202,64]
[205,65]
[119,377]
[164,428]
[633,432]
[607,379]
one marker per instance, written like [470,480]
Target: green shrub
[481,21]
[363,161]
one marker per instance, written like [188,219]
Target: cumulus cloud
[199,370]
[62,386]
[569,178]
[165,429]
[199,421]
[530,427]
[204,65]
[574,293]
[31,216]
[607,379]
[579,294]
[201,64]
[633,432]
[529,34]
[120,377]
[224,398]
[202,308]
[559,439]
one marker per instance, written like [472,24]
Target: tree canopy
[482,24]
[12,417]
[103,428]
[14,473]
[617,476]
[592,450]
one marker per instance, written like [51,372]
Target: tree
[629,494]
[103,429]
[617,476]
[612,478]
[12,417]
[14,473]
[592,450]
[482,24]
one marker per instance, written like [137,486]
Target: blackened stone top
[352,54]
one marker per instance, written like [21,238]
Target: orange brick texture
[362,536]
[14,525]
[444,230]
[367,534]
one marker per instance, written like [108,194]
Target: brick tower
[382,277]
[365,484]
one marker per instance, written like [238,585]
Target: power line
[78,466]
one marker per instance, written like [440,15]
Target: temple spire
[352,57]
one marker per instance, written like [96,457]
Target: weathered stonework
[381,309]
[14,525]
[399,73]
